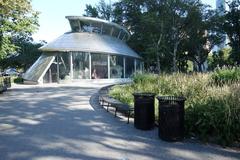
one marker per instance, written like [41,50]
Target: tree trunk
[199,67]
[158,54]
[158,64]
[175,56]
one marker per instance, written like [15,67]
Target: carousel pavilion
[93,49]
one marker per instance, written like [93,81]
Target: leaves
[102,10]
[231,26]
[16,18]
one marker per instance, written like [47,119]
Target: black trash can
[144,117]
[171,118]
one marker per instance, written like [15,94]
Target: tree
[202,34]
[176,25]
[168,33]
[219,59]
[16,19]
[231,26]
[102,10]
[159,29]
[25,55]
[91,11]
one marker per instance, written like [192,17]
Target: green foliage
[102,10]
[219,59]
[26,54]
[226,75]
[212,111]
[216,117]
[16,19]
[231,27]
[200,39]
[17,80]
[168,34]
[91,11]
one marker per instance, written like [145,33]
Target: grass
[212,110]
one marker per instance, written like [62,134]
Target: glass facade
[83,65]
[138,66]
[64,65]
[39,68]
[99,68]
[129,67]
[99,28]
[80,65]
[116,66]
[51,75]
[93,49]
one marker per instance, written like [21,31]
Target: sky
[52,19]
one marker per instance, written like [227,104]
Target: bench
[124,108]
[102,92]
[119,106]
[111,102]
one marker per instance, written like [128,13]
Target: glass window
[97,27]
[75,25]
[129,63]
[36,71]
[99,65]
[106,30]
[81,65]
[116,66]
[142,66]
[51,75]
[122,35]
[115,32]
[138,66]
[91,27]
[64,66]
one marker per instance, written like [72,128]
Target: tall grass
[226,75]
[212,111]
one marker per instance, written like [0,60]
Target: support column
[135,66]
[90,65]
[50,75]
[109,67]
[57,68]
[124,67]
[101,28]
[119,34]
[71,66]
[142,67]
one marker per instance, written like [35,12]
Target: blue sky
[52,18]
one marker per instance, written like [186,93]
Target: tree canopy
[17,19]
[102,10]
[167,33]
[231,27]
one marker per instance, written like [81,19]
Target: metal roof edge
[98,20]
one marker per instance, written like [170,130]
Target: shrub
[212,111]
[226,75]
[18,80]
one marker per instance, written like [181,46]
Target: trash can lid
[144,94]
[171,98]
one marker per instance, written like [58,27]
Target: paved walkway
[57,122]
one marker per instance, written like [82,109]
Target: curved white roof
[88,42]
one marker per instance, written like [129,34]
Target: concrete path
[54,122]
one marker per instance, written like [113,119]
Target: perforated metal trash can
[171,118]
[144,110]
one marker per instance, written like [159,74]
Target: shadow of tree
[67,123]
